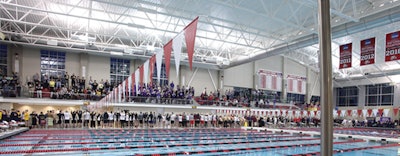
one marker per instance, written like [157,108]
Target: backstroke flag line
[189,33]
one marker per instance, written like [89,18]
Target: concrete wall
[30,59]
[44,108]
[239,76]
[99,67]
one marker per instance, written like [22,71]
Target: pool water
[153,142]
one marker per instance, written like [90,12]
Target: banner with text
[296,84]
[269,80]
[392,52]
[345,56]
[367,55]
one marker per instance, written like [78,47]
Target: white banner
[146,72]
[364,112]
[374,112]
[129,85]
[177,47]
[159,56]
[123,89]
[385,112]
[137,75]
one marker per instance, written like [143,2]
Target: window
[315,98]
[52,63]
[379,95]
[3,59]
[296,98]
[347,96]
[163,77]
[119,70]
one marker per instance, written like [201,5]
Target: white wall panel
[203,80]
[99,67]
[72,64]
[30,63]
[239,76]
[294,68]
[272,64]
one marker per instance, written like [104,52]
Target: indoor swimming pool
[154,142]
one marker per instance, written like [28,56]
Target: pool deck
[317,134]
[13,132]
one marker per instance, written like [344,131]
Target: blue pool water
[181,142]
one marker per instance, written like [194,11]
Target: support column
[308,85]
[255,81]
[325,64]
[284,82]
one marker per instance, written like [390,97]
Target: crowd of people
[74,87]
[10,86]
[68,87]
[131,119]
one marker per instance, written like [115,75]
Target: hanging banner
[159,55]
[386,112]
[269,80]
[392,52]
[374,112]
[349,111]
[152,62]
[380,112]
[339,112]
[364,111]
[167,56]
[177,48]
[359,112]
[146,72]
[190,36]
[354,113]
[137,75]
[395,111]
[345,56]
[296,84]
[369,112]
[367,55]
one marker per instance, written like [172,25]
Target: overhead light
[116,53]
[136,25]
[2,36]
[52,42]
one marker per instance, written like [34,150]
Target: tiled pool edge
[335,135]
[11,133]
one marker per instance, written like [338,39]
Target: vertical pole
[325,65]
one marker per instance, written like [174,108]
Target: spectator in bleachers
[73,79]
[39,91]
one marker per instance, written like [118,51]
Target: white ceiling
[234,30]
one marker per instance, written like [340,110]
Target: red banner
[151,67]
[367,55]
[339,112]
[190,36]
[359,112]
[345,56]
[349,112]
[167,56]
[380,112]
[395,111]
[369,112]
[392,46]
